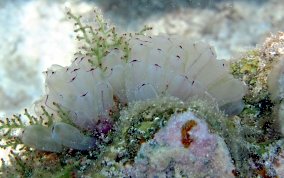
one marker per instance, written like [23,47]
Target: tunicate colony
[157,66]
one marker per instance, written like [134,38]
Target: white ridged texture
[157,66]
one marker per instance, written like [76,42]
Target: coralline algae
[168,156]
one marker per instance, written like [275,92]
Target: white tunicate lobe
[71,137]
[157,66]
[39,137]
[54,138]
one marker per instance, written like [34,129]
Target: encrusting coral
[119,96]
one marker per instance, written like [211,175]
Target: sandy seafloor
[36,34]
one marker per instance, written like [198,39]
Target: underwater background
[34,34]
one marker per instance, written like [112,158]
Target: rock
[185,147]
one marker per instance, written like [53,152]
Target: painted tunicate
[156,66]
[71,137]
[39,137]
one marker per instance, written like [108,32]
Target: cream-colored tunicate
[71,137]
[39,137]
[157,66]
[55,138]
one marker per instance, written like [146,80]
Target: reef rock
[185,147]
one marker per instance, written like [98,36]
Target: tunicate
[39,137]
[71,137]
